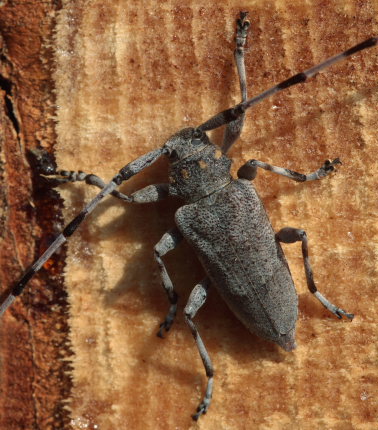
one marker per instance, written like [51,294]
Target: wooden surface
[126,78]
[34,382]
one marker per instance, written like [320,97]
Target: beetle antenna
[238,110]
[125,173]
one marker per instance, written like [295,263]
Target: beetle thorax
[199,174]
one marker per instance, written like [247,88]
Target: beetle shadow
[217,325]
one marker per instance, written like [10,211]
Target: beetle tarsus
[340,313]
[201,410]
[166,325]
[332,308]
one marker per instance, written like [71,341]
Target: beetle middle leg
[291,235]
[249,170]
[167,243]
[196,300]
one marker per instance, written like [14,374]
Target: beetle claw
[340,313]
[201,410]
[166,325]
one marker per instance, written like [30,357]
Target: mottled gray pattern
[235,242]
[201,169]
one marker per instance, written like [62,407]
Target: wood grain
[128,76]
[34,382]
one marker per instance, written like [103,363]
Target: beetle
[222,218]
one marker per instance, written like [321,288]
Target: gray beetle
[222,218]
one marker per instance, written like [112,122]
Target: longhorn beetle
[222,218]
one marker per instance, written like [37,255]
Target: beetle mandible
[222,218]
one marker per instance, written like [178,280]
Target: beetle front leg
[249,170]
[167,243]
[196,300]
[234,128]
[149,194]
[291,235]
[65,176]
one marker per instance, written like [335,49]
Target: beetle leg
[249,170]
[196,300]
[291,235]
[64,176]
[151,193]
[234,128]
[167,243]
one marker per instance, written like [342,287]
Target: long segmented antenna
[125,173]
[233,113]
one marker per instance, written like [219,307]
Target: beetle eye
[197,134]
[173,156]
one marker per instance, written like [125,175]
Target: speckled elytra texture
[234,240]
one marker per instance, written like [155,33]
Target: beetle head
[186,143]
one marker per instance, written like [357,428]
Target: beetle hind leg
[196,300]
[291,235]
